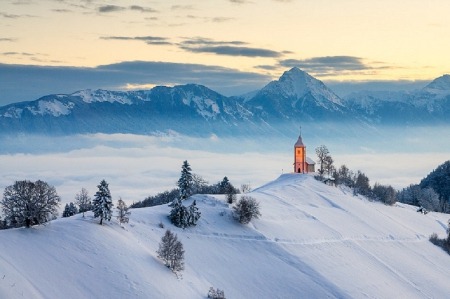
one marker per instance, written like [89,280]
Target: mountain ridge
[296,98]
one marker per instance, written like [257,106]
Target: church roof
[299,142]
[310,161]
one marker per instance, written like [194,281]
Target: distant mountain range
[278,109]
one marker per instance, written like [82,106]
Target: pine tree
[179,215]
[123,211]
[66,211]
[185,182]
[224,185]
[194,214]
[103,202]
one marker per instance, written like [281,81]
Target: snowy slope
[312,241]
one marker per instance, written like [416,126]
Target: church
[302,164]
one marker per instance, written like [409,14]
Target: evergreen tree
[103,202]
[70,210]
[66,211]
[179,215]
[83,200]
[194,214]
[185,182]
[224,185]
[123,212]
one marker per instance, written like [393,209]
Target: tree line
[358,180]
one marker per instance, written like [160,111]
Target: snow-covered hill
[312,241]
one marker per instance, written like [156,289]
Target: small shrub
[216,294]
[434,238]
[246,209]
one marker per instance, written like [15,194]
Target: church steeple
[300,165]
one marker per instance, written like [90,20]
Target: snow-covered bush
[171,251]
[123,212]
[103,202]
[246,209]
[194,214]
[28,203]
[181,216]
[216,294]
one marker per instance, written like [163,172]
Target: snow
[13,112]
[206,107]
[312,241]
[55,108]
[91,96]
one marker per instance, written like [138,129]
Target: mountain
[429,105]
[191,109]
[278,109]
[297,95]
[312,241]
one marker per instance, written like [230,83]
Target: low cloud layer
[138,166]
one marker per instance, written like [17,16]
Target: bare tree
[245,188]
[26,203]
[123,211]
[323,155]
[83,200]
[171,251]
[246,209]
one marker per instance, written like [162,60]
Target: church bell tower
[300,165]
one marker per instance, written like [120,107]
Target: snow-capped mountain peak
[297,83]
[441,84]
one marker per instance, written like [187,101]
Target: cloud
[150,40]
[336,65]
[110,8]
[208,41]
[142,9]
[221,19]
[234,51]
[43,80]
[135,166]
[7,39]
[182,7]
[229,48]
[62,10]
[240,1]
[9,16]
[327,63]
[17,53]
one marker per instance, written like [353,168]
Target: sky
[231,46]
